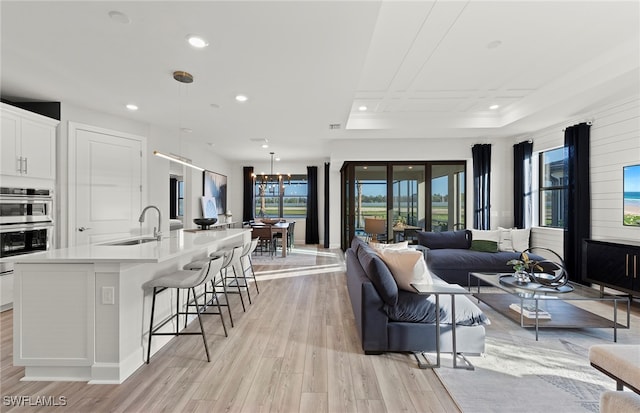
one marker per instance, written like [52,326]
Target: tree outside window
[280,196]
[553,184]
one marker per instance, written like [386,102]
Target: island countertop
[177,244]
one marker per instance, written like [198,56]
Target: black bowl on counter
[205,223]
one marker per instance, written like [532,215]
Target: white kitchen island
[82,313]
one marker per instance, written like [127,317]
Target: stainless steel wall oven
[26,227]
[26,221]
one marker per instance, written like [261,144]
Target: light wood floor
[296,349]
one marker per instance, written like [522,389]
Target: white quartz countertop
[177,244]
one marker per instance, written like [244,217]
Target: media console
[612,263]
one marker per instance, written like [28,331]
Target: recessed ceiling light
[493,107]
[278,159]
[265,146]
[197,41]
[362,108]
[186,130]
[132,107]
[119,17]
[241,98]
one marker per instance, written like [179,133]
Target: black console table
[612,263]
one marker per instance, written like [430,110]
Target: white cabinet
[28,143]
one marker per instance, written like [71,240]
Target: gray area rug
[519,374]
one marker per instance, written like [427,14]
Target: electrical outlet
[108,295]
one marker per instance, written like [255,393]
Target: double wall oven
[26,227]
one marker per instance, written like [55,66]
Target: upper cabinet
[28,144]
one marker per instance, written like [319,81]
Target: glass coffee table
[557,305]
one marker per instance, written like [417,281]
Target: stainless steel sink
[131,241]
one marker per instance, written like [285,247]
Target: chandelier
[272,184]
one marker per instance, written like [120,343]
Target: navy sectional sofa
[393,320]
[449,256]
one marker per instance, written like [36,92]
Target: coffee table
[556,303]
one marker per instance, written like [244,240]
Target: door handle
[25,166]
[82,229]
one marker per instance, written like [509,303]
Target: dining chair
[183,280]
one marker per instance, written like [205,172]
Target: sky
[632,178]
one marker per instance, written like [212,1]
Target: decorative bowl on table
[270,221]
[205,223]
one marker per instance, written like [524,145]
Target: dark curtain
[481,185]
[247,193]
[326,204]
[312,236]
[173,197]
[578,197]
[522,184]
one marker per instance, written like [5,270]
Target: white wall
[157,191]
[615,142]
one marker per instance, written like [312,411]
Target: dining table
[279,227]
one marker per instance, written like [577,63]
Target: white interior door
[108,186]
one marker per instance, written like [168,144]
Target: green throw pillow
[484,245]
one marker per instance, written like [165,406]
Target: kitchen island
[82,313]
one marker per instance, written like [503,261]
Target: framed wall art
[215,185]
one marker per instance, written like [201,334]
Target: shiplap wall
[615,142]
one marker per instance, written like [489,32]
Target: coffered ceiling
[422,69]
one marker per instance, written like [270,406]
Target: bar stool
[226,260]
[236,266]
[247,264]
[183,280]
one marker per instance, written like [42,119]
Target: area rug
[519,374]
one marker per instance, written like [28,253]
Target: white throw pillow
[407,266]
[520,239]
[485,235]
[378,246]
[505,243]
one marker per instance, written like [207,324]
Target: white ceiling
[424,69]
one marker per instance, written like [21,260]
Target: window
[280,196]
[176,197]
[553,185]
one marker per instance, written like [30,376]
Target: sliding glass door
[407,195]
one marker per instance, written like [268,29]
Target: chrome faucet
[157,233]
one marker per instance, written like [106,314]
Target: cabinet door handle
[25,166]
[19,164]
[626,265]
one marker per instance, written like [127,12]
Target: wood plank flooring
[296,349]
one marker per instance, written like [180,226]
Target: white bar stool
[183,280]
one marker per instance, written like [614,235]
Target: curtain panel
[481,154]
[578,197]
[247,193]
[326,204]
[522,196]
[312,236]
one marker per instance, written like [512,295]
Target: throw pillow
[406,266]
[520,239]
[378,246]
[484,245]
[489,235]
[505,243]
[446,239]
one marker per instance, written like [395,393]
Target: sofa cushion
[407,266]
[416,308]
[446,239]
[505,243]
[520,239]
[484,245]
[469,260]
[379,274]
